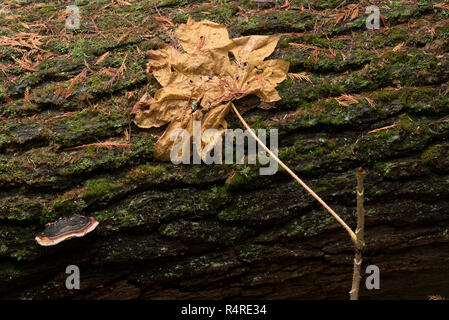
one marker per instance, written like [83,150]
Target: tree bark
[224,231]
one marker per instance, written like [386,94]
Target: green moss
[431,154]
[62,205]
[20,254]
[99,188]
[442,14]
[19,207]
[86,48]
[244,176]
[171,3]
[3,249]
[100,158]
[10,273]
[148,172]
[168,231]
[85,126]
[275,21]
[220,14]
[152,207]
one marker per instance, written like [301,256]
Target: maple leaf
[201,83]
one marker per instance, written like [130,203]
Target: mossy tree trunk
[224,231]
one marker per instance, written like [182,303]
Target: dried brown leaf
[201,83]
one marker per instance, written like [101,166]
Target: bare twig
[384,128]
[329,209]
[359,245]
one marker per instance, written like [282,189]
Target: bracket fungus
[66,228]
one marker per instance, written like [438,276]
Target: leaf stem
[305,186]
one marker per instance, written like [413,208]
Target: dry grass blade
[117,74]
[350,12]
[441,6]
[384,21]
[446,91]
[384,128]
[346,100]
[299,76]
[103,56]
[123,37]
[27,46]
[106,145]
[78,79]
[339,18]
[27,95]
[24,65]
[370,102]
[355,13]
[62,116]
[286,5]
[306,46]
[127,135]
[163,19]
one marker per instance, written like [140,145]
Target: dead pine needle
[384,128]
[299,76]
[106,145]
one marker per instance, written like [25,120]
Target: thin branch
[329,209]
[359,245]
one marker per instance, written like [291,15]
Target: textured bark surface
[224,231]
